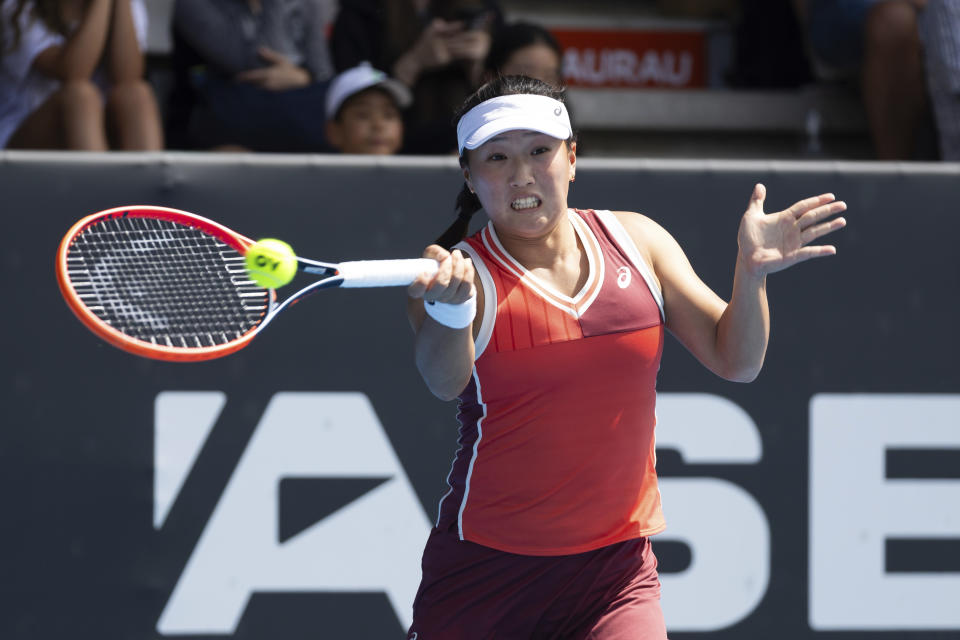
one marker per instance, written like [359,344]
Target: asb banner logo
[884,489]
[373,543]
[866,501]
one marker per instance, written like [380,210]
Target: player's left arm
[730,338]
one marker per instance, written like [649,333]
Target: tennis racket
[170,285]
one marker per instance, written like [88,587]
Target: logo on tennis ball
[271,263]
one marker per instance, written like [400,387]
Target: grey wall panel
[82,557]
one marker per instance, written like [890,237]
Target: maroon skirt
[472,592]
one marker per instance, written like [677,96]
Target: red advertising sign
[633,58]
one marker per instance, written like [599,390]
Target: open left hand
[280,73]
[771,242]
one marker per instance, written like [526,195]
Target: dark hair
[467,202]
[513,37]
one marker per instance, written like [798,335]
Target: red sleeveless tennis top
[557,423]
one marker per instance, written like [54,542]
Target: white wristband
[455,316]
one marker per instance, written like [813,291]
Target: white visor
[510,113]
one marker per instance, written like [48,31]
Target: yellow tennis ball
[271,263]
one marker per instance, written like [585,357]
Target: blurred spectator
[940,33]
[71,76]
[250,74]
[876,42]
[364,111]
[525,49]
[435,47]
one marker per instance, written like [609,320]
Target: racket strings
[164,283]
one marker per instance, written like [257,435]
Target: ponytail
[467,205]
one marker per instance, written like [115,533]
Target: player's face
[369,123]
[522,179]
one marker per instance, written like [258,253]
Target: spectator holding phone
[435,47]
[525,49]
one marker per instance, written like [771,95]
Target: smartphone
[473,18]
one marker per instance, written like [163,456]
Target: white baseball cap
[510,113]
[359,78]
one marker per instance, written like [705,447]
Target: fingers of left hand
[816,251]
[800,208]
[811,225]
[811,234]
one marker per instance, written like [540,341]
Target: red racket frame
[133,345]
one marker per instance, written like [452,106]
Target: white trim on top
[629,247]
[565,307]
[449,491]
[583,230]
[544,287]
[574,306]
[473,457]
[489,318]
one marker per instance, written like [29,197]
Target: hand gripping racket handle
[384,273]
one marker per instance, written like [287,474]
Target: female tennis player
[548,326]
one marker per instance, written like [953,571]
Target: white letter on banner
[372,544]
[182,422]
[854,508]
[730,564]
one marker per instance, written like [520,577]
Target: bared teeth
[525,203]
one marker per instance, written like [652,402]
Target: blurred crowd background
[770,79]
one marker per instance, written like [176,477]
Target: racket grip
[384,273]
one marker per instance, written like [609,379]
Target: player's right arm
[444,356]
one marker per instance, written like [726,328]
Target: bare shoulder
[649,236]
[638,225]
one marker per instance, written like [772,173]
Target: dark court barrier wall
[286,491]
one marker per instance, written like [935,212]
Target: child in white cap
[364,111]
